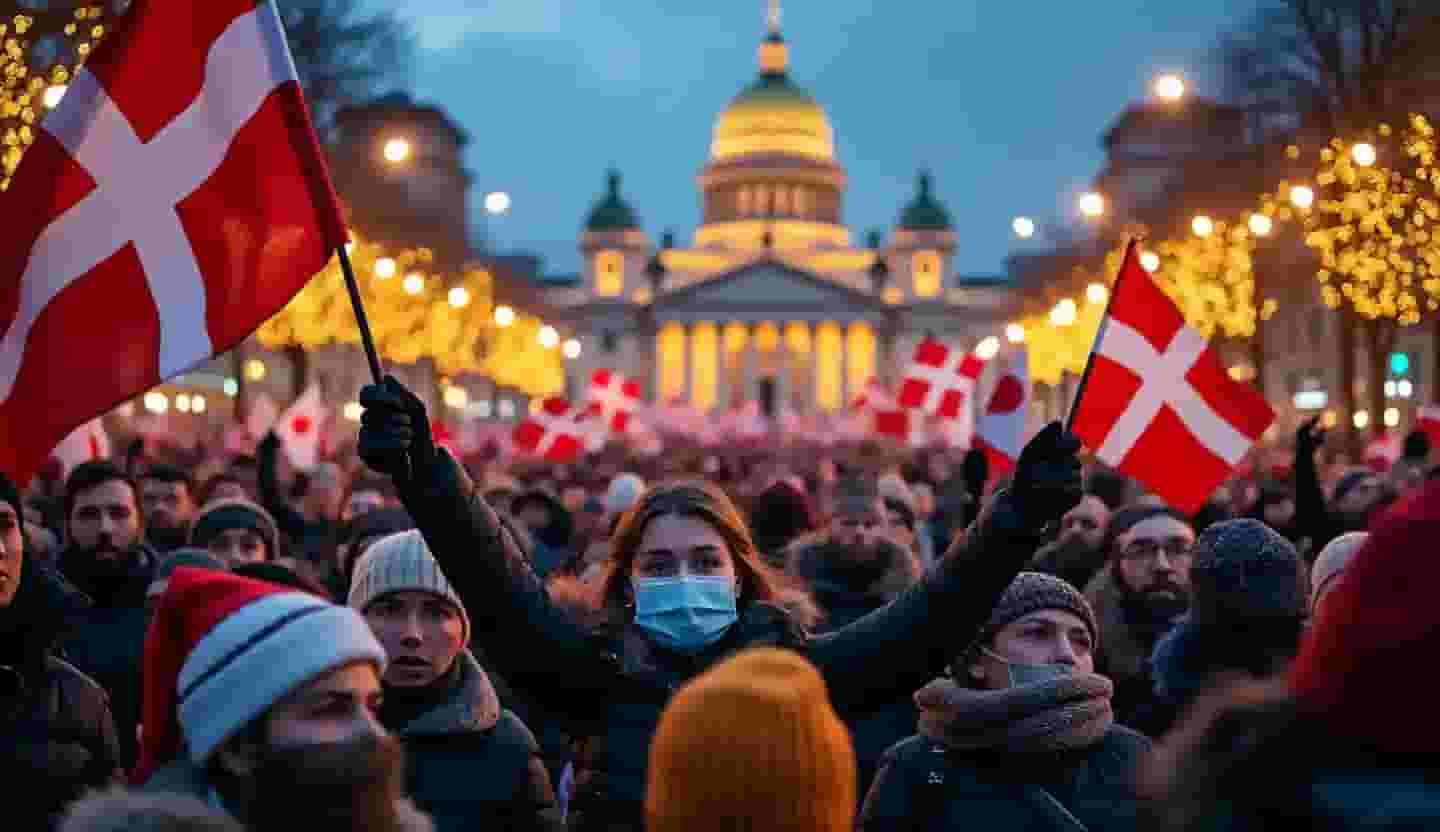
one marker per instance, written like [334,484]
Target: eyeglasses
[1174,548]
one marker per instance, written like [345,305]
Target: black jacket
[56,736]
[922,786]
[614,686]
[108,639]
[473,765]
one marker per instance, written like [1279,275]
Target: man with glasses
[1143,589]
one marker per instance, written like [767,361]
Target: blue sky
[1005,100]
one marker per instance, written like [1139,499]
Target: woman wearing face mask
[1021,736]
[686,588]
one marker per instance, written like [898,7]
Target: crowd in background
[749,637]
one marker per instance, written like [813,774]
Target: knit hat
[752,743]
[1331,563]
[402,563]
[222,649]
[185,556]
[224,515]
[1243,569]
[1361,669]
[624,492]
[1032,592]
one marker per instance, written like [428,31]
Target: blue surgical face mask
[1022,674]
[685,614]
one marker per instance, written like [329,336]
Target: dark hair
[1111,487]
[281,575]
[170,474]
[1133,515]
[900,507]
[207,491]
[88,475]
[1417,445]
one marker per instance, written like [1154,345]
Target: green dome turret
[925,212]
[611,211]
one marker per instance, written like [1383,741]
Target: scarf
[1056,715]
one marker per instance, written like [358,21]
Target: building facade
[772,301]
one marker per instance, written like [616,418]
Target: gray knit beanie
[1032,592]
[1245,569]
[402,563]
[224,515]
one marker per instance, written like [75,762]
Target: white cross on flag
[1003,425]
[941,380]
[1158,404]
[555,432]
[174,200]
[613,400]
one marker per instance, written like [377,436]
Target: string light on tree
[414,283]
[1302,197]
[1150,261]
[504,316]
[1096,293]
[1261,225]
[1364,154]
[385,268]
[459,297]
[397,151]
[1064,313]
[1203,226]
[53,95]
[549,337]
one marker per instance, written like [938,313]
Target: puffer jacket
[474,765]
[924,786]
[612,687]
[57,738]
[846,593]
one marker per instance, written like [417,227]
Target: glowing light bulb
[1015,334]
[1096,293]
[156,402]
[1024,227]
[504,316]
[1170,87]
[1150,261]
[255,369]
[1261,225]
[459,297]
[1364,154]
[397,151]
[52,96]
[353,411]
[1203,226]
[1092,205]
[1064,313]
[571,349]
[497,203]
[549,337]
[385,268]
[414,283]
[1302,197]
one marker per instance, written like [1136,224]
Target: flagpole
[1099,334]
[366,339]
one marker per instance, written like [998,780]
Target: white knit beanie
[401,563]
[1331,563]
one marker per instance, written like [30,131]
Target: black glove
[268,444]
[1309,438]
[394,430]
[1047,481]
[976,468]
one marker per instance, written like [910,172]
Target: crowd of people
[761,638]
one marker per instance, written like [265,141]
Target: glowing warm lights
[197,403]
[1024,227]
[1015,334]
[1169,87]
[353,411]
[255,369]
[397,151]
[1096,293]
[504,316]
[414,283]
[1261,225]
[459,297]
[1392,417]
[1364,154]
[571,349]
[1064,313]
[156,402]
[988,348]
[456,397]
[1302,196]
[386,267]
[231,387]
[1150,261]
[497,203]
[52,96]
[549,337]
[182,402]
[1361,419]
[1203,226]
[1092,205]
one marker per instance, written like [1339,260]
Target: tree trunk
[299,369]
[1349,403]
[1379,339]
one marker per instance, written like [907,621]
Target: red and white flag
[1159,405]
[173,200]
[301,427]
[904,425]
[1004,424]
[555,433]
[941,380]
[261,416]
[613,400]
[87,442]
[1382,452]
[1427,419]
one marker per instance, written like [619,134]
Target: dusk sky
[1005,100]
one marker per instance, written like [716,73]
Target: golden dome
[773,115]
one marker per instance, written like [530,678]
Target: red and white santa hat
[222,649]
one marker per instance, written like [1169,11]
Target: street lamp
[397,151]
[1024,227]
[1302,197]
[497,203]
[1364,154]
[1261,225]
[504,316]
[1150,261]
[1169,87]
[1092,205]
[1203,226]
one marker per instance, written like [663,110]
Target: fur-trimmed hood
[813,559]
[475,707]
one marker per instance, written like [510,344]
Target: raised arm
[1312,519]
[290,522]
[534,644]
[898,648]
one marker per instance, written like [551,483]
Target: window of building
[609,274]
[927,274]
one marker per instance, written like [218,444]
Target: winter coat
[845,595]
[923,785]
[57,738]
[1124,653]
[613,686]
[108,640]
[473,765]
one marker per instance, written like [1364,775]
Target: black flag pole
[358,305]
[1099,334]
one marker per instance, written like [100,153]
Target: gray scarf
[1056,715]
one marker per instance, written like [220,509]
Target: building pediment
[768,290]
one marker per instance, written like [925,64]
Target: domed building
[772,300]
